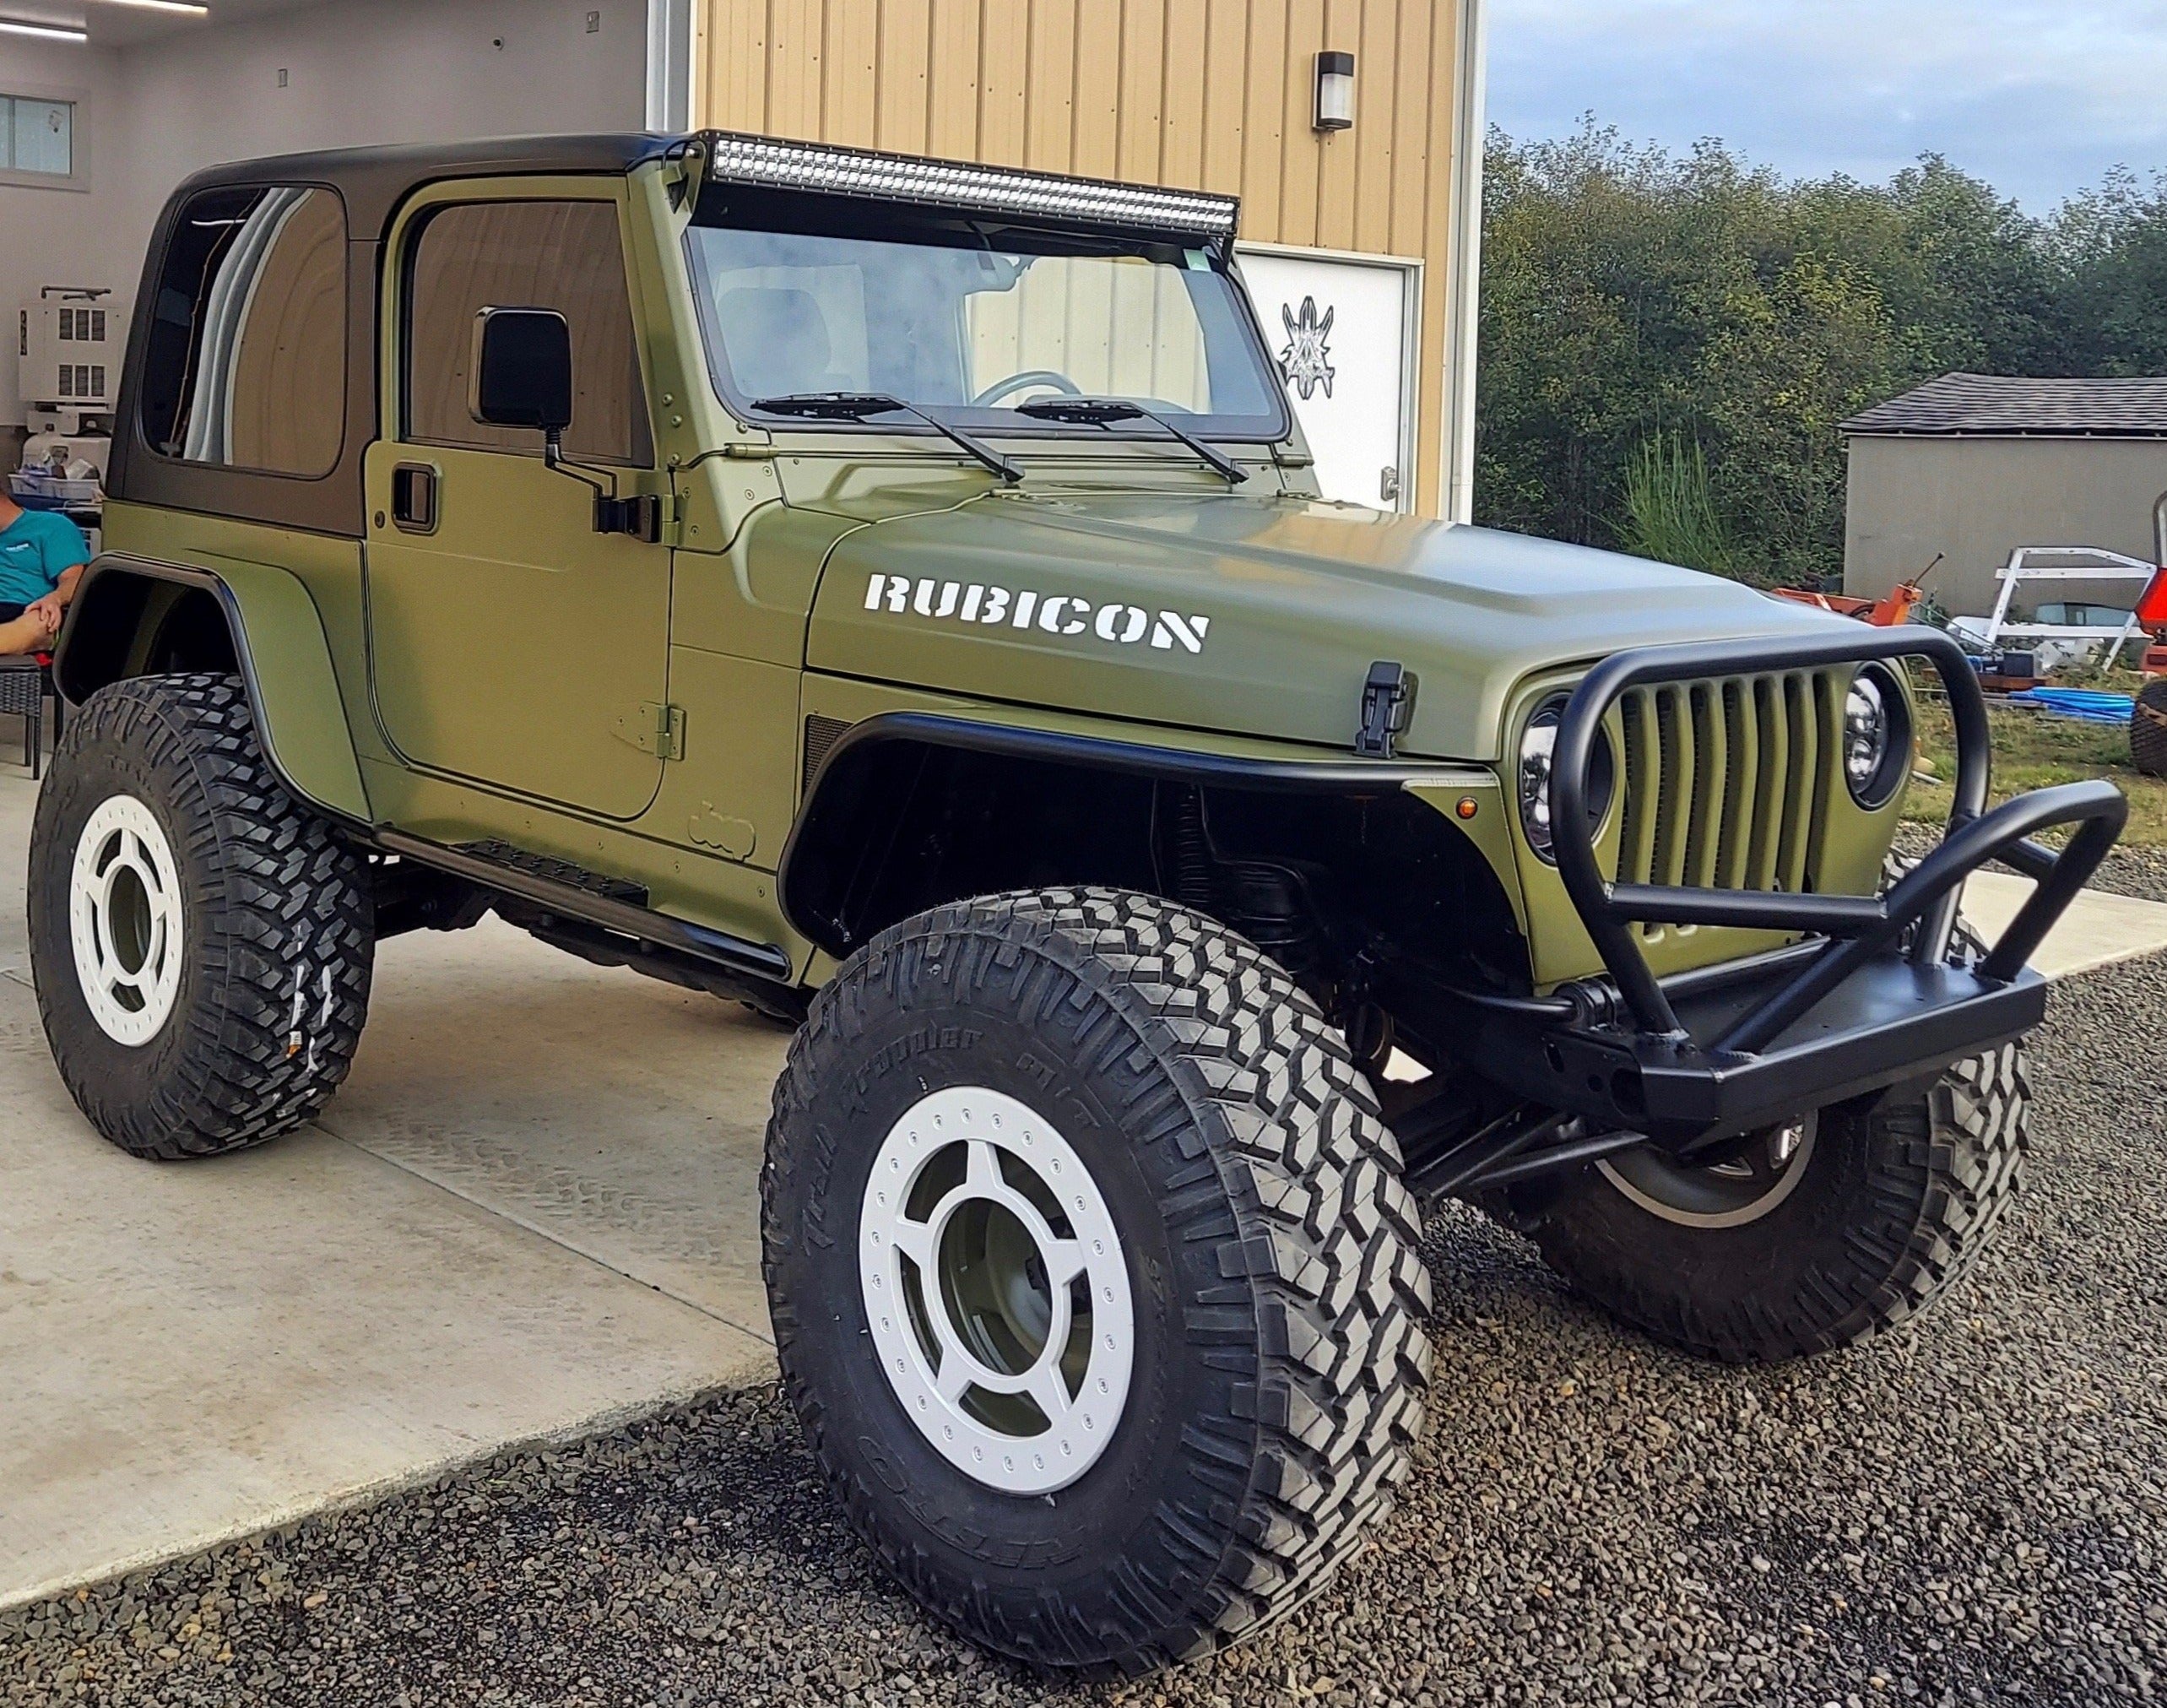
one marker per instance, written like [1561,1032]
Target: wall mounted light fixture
[44,32]
[1334,92]
[189,8]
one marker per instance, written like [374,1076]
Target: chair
[25,682]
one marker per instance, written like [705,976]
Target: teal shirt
[35,550]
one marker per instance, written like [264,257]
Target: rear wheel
[201,941]
[2148,729]
[1093,1275]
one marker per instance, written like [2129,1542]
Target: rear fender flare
[277,644]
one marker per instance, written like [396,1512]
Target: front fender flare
[278,641]
[836,806]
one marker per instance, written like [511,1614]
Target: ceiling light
[44,32]
[188,7]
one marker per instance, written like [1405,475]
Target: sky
[2039,97]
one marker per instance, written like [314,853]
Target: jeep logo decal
[1052,614]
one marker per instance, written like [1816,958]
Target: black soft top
[373,182]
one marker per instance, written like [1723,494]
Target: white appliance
[70,343]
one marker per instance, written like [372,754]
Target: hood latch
[1388,701]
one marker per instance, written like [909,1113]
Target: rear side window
[560,255]
[246,364]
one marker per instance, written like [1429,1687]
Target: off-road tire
[277,917]
[2148,729]
[1281,1363]
[1902,1192]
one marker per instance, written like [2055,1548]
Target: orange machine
[1891,610]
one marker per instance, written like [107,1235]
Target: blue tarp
[2088,703]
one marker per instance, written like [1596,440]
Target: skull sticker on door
[1338,327]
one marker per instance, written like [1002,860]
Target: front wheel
[1092,1275]
[201,942]
[1807,1236]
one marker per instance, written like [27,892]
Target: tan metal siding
[1207,94]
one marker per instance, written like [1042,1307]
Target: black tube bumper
[1870,1000]
[1891,1021]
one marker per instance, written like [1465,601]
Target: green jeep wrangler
[895,594]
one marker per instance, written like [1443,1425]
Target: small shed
[1976,466]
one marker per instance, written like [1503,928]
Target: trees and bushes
[1669,343]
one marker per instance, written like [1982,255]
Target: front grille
[1724,782]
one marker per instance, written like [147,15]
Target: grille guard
[1884,1006]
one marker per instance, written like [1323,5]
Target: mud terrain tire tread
[2148,729]
[1327,1371]
[273,901]
[1942,1171]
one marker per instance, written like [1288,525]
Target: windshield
[968,318]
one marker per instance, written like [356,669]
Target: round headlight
[1877,737]
[1538,747]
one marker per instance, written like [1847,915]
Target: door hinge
[654,729]
[640,516]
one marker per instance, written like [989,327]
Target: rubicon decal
[1054,613]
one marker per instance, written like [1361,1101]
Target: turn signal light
[2151,609]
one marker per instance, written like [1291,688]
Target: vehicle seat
[777,342]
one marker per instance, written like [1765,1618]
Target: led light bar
[788,165]
[190,9]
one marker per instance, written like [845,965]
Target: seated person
[42,558]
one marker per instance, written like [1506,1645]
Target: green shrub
[1670,508]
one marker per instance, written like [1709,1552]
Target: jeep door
[510,641]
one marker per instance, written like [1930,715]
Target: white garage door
[1342,329]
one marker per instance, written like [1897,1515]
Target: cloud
[2039,99]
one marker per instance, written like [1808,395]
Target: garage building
[1974,467]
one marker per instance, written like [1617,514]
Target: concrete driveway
[532,1212]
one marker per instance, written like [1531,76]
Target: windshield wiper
[855,406]
[1104,412]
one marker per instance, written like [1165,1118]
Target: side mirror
[522,370]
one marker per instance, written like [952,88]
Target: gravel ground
[1972,1511]
[2127,871]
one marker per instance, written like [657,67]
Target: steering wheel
[1030,377]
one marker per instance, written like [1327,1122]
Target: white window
[40,141]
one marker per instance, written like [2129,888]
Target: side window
[560,255]
[246,364]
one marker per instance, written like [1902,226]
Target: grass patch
[2032,751]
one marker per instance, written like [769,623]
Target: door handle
[413,497]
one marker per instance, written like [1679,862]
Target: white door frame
[1411,340]
[672,31]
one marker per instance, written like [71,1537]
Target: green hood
[1254,617]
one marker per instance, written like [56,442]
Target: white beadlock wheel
[997,1290]
[124,919]
[200,940]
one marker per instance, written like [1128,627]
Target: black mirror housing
[522,370]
